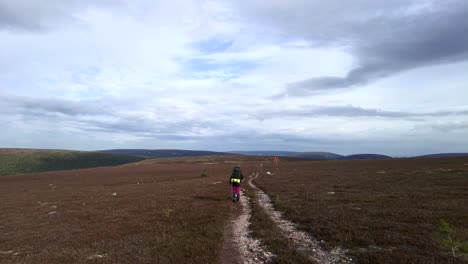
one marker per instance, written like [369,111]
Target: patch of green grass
[41,161]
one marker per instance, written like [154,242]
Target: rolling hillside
[444,155]
[365,156]
[14,161]
[304,155]
[164,153]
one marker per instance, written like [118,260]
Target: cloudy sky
[360,76]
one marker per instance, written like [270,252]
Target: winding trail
[230,251]
[238,239]
[302,241]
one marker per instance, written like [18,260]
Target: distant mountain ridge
[175,153]
[443,155]
[366,156]
[317,155]
[334,156]
[304,155]
[164,153]
[313,155]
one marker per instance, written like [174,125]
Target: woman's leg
[237,191]
[234,193]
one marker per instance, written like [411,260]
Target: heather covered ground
[165,211]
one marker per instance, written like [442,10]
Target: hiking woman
[235,181]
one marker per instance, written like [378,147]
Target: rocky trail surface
[239,246]
[302,241]
[246,249]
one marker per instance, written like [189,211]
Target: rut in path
[303,242]
[250,250]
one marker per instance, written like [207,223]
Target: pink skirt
[236,189]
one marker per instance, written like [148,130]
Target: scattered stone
[97,256]
[250,249]
[330,192]
[52,213]
[6,252]
[114,194]
[218,182]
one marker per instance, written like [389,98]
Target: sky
[359,76]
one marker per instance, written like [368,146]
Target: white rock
[97,256]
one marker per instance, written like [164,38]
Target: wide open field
[384,211]
[163,211]
[155,211]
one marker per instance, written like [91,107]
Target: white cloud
[186,74]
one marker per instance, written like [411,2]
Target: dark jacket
[236,177]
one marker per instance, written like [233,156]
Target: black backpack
[236,173]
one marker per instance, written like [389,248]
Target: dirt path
[303,242]
[239,246]
[230,251]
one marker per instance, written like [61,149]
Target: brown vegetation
[384,211]
[163,211]
[147,212]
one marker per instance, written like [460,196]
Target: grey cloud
[358,76]
[146,127]
[255,140]
[97,116]
[48,106]
[353,111]
[447,126]
[386,37]
[30,15]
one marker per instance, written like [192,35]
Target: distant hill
[319,155]
[164,153]
[304,155]
[365,156]
[443,155]
[14,161]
